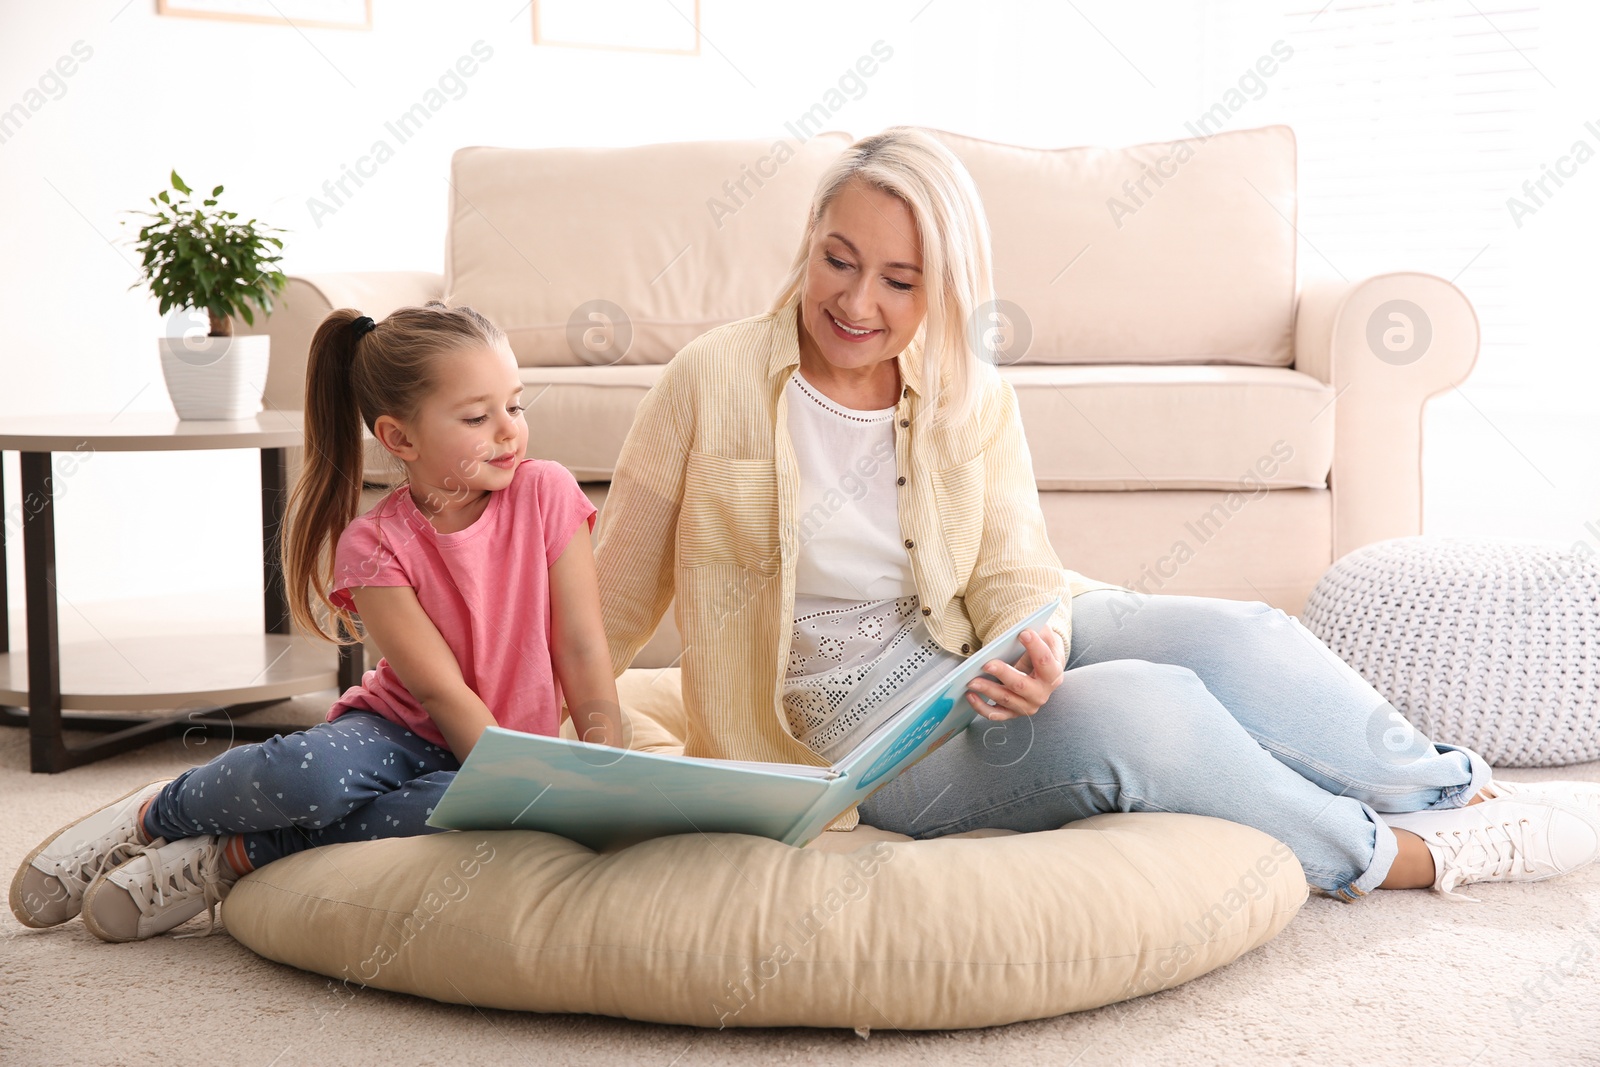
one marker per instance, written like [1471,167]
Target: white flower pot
[215,377]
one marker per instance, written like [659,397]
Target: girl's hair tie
[360,327]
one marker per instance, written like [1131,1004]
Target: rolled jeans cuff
[1458,796]
[1385,847]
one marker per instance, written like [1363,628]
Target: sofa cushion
[1194,265]
[1198,266]
[1175,427]
[579,416]
[680,237]
[1088,427]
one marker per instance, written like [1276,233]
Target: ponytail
[327,495]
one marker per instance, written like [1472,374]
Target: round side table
[212,677]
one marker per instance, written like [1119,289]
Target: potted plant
[205,266]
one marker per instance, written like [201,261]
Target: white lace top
[859,640]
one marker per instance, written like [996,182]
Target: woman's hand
[1021,690]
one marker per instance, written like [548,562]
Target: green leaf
[204,257]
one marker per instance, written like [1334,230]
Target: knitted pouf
[1492,645]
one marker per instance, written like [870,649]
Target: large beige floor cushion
[863,929]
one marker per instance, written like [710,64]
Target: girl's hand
[1020,690]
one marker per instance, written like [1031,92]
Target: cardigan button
[927,611]
[900,480]
[911,544]
[965,648]
[905,391]
[905,422]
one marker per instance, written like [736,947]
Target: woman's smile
[849,332]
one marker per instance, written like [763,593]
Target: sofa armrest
[300,309]
[1386,344]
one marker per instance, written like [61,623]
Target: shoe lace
[79,872]
[1489,851]
[199,871]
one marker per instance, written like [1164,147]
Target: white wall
[1417,122]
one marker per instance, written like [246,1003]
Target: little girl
[470,578]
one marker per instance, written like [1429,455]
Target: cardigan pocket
[958,494]
[729,513]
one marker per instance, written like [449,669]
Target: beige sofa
[1201,421]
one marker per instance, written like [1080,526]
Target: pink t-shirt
[486,588]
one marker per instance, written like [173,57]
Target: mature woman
[840,496]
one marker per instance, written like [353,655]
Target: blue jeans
[1203,705]
[357,778]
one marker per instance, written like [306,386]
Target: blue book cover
[605,797]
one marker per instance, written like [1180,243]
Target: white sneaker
[48,887]
[159,889]
[1585,795]
[1502,840]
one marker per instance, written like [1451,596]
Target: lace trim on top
[853,666]
[853,414]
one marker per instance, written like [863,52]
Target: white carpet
[1401,978]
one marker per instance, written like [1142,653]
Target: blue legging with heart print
[357,778]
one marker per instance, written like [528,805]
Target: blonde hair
[352,377]
[913,166]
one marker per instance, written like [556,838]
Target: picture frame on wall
[329,14]
[660,26]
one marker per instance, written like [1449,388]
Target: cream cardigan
[703,505]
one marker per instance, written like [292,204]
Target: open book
[602,797]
